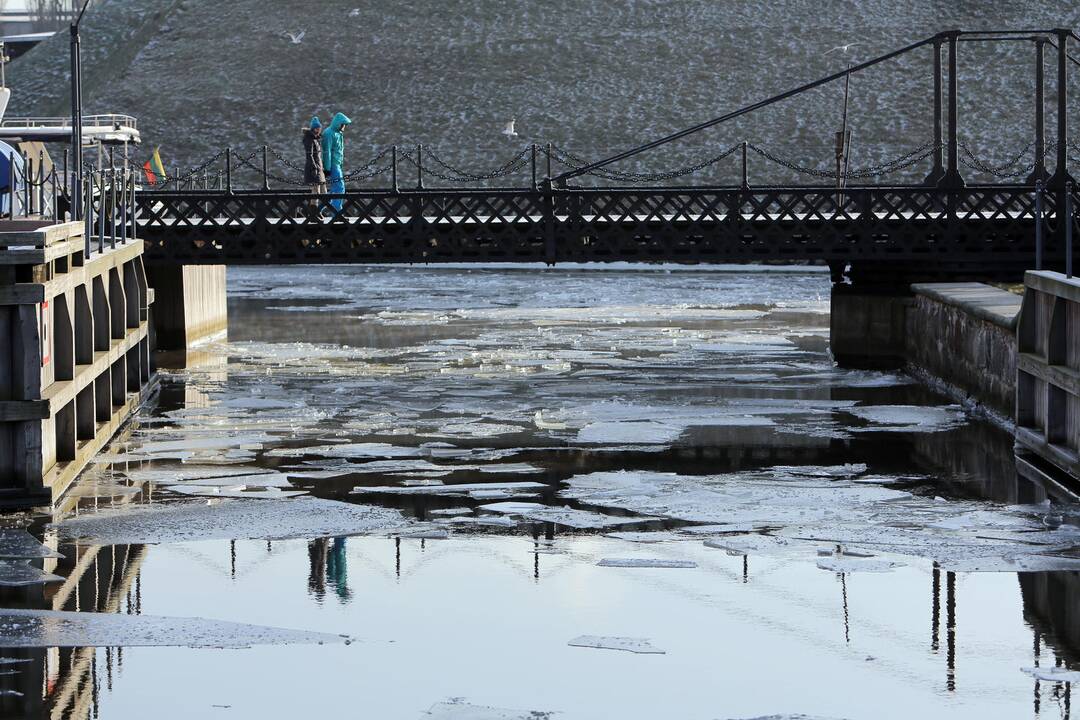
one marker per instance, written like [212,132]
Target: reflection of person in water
[336,569]
[317,575]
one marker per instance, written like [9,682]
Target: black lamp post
[76,116]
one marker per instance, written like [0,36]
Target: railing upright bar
[41,183]
[101,210]
[393,168]
[84,200]
[13,194]
[1068,229]
[28,177]
[228,170]
[1038,224]
[419,167]
[265,168]
[533,156]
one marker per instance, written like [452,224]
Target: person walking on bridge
[314,175]
[333,149]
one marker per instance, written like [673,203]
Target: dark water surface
[852,539]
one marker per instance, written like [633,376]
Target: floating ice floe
[849,564]
[458,709]
[908,418]
[351,450]
[640,646]
[628,432]
[249,492]
[451,512]
[646,563]
[424,533]
[580,519]
[642,537]
[20,573]
[18,544]
[1053,674]
[50,628]
[484,520]
[459,489]
[229,519]
[755,544]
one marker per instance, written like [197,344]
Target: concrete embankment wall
[192,304]
[963,336]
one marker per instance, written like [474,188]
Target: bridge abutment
[867,328]
[191,305]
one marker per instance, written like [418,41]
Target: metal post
[101,209]
[1038,224]
[67,190]
[124,208]
[952,177]
[549,161]
[228,171]
[134,208]
[937,172]
[745,175]
[55,197]
[393,168]
[88,228]
[419,167]
[1061,171]
[266,169]
[533,152]
[13,194]
[1039,172]
[1068,228]
[28,178]
[112,198]
[41,183]
[76,118]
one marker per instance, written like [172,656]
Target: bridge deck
[984,229]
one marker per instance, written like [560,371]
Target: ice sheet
[640,646]
[459,489]
[1053,674]
[909,418]
[458,709]
[20,573]
[303,517]
[49,628]
[646,563]
[16,543]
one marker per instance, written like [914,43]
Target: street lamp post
[75,200]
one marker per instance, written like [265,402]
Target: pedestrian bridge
[916,214]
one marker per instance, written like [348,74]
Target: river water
[473,472]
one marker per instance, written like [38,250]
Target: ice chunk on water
[580,519]
[50,628]
[20,573]
[641,646]
[450,512]
[645,432]
[424,533]
[457,709]
[1012,562]
[459,489]
[1053,674]
[646,563]
[351,450]
[754,544]
[642,537]
[512,508]
[909,418]
[848,564]
[489,520]
[19,544]
[249,492]
[228,520]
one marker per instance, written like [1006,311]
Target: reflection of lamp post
[76,115]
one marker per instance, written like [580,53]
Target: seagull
[842,48]
[355,12]
[509,130]
[296,38]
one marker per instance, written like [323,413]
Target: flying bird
[355,12]
[509,130]
[842,48]
[296,38]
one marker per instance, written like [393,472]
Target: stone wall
[963,335]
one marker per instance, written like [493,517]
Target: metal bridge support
[1039,172]
[952,178]
[189,304]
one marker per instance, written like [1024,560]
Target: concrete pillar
[867,327]
[189,304]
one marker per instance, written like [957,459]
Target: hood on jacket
[340,120]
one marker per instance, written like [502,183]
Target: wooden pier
[75,351]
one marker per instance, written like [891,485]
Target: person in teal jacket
[333,151]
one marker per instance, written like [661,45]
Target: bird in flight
[842,48]
[296,38]
[355,12]
[509,130]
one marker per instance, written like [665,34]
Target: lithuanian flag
[154,168]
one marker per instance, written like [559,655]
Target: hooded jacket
[313,161]
[333,143]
